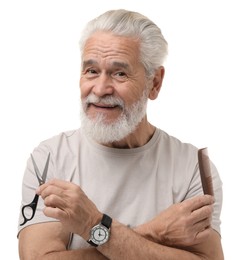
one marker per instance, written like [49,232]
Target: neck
[142,134]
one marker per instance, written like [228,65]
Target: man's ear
[157,83]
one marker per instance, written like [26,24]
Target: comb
[205,171]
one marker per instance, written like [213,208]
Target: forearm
[86,254]
[48,241]
[125,243]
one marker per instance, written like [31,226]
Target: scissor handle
[33,206]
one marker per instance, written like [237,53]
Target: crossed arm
[181,231]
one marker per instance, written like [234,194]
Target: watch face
[99,234]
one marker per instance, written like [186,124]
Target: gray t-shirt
[130,185]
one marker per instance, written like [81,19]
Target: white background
[39,94]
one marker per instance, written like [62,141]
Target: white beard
[117,130]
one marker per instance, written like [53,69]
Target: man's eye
[91,71]
[120,75]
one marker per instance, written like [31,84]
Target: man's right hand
[182,224]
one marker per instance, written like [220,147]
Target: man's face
[113,82]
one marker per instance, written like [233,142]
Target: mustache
[106,100]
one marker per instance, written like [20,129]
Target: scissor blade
[45,169]
[37,171]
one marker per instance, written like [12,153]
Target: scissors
[41,179]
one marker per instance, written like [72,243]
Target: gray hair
[153,46]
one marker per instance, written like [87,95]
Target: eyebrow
[89,62]
[114,64]
[120,64]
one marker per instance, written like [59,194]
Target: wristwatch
[100,233]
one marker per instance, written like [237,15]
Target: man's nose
[103,86]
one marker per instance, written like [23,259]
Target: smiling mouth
[104,106]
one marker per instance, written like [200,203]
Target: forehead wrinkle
[112,46]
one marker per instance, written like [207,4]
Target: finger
[56,213]
[199,201]
[54,182]
[202,213]
[41,188]
[202,225]
[51,190]
[61,183]
[55,201]
[201,236]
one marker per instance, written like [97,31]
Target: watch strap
[92,243]
[106,221]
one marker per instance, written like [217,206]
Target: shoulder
[175,147]
[61,139]
[63,143]
[66,135]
